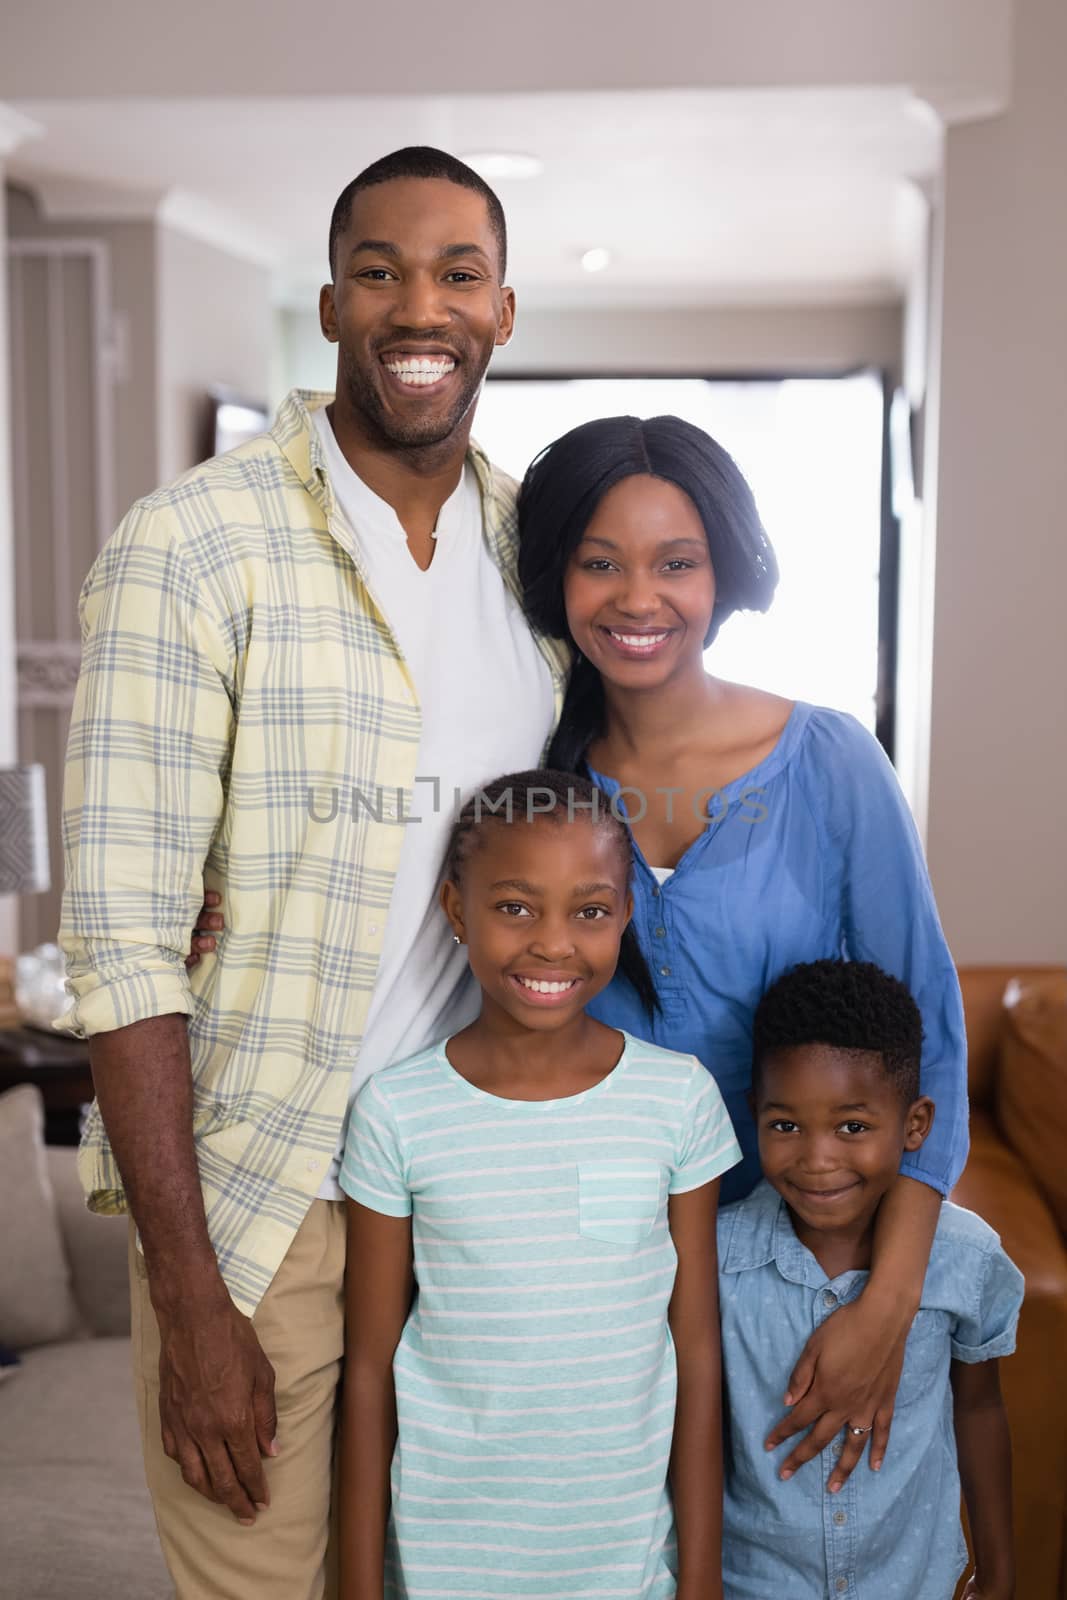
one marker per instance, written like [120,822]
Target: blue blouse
[812,854]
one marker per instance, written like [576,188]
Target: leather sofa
[1016,1178]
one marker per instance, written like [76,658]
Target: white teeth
[539,986]
[418,371]
[638,641]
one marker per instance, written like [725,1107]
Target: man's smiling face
[416,308]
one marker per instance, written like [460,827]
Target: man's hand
[216,1387]
[847,1375]
[216,1403]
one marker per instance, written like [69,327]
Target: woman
[768,833]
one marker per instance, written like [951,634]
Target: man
[293,657]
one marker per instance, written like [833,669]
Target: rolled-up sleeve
[149,747]
[889,916]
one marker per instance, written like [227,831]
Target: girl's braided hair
[556,797]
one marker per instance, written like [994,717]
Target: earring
[456,939]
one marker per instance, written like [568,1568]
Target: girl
[768,833]
[531,1255]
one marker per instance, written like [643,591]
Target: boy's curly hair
[848,1005]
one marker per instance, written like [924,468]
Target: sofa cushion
[1031,1098]
[36,1301]
[97,1249]
[76,1520]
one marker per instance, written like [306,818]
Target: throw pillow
[1032,1082]
[36,1302]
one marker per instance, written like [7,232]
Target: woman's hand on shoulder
[847,1377]
[209,921]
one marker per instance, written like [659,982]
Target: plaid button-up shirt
[244,717]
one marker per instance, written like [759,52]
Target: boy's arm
[696,1455]
[983,1446]
[378,1289]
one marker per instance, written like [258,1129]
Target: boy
[836,1049]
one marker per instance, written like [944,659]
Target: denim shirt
[888,1535]
[812,854]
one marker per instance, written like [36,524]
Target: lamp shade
[23,831]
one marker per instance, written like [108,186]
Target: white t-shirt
[485,692]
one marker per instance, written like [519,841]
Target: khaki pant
[300,1324]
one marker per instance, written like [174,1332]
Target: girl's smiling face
[640,589]
[542,906]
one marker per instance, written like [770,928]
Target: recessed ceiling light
[493,164]
[596,260]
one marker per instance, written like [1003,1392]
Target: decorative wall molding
[46,674]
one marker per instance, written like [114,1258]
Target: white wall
[767,340]
[215,327]
[997,839]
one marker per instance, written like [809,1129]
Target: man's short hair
[848,1005]
[419,161]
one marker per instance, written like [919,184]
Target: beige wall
[732,339]
[215,328]
[185,316]
[132,258]
[8,918]
[997,839]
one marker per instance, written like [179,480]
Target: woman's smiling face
[640,589]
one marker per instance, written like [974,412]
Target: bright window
[812,452]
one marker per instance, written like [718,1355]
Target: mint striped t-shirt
[535,1377]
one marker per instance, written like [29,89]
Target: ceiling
[703,196]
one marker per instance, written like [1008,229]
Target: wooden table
[59,1066]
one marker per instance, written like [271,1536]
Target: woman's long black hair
[560,493]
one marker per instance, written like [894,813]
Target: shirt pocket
[926,1359]
[619,1201]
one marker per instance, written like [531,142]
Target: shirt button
[829,1298]
[372,927]
[841,1585]
[311,1164]
[655,891]
[840,1518]
[665,972]
[838,1446]
[661,933]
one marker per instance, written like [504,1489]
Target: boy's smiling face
[832,1127]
